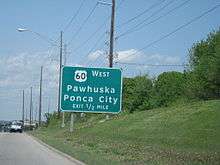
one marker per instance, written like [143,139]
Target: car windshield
[109,82]
[16,123]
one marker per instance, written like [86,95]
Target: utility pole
[65,53]
[23,107]
[26,114]
[31,107]
[61,56]
[35,113]
[40,99]
[111,48]
[48,108]
[63,114]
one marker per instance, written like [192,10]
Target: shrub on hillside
[137,93]
[205,67]
[169,87]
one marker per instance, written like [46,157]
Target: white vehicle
[16,127]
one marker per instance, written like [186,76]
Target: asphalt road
[21,149]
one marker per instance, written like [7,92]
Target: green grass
[183,134]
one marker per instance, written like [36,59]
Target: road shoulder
[55,150]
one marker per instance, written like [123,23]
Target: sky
[85,25]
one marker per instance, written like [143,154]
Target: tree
[128,93]
[205,67]
[142,93]
[137,93]
[169,87]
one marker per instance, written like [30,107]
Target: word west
[96,73]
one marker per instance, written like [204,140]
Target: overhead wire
[90,37]
[74,16]
[176,30]
[101,62]
[141,13]
[94,46]
[141,64]
[99,28]
[119,5]
[83,23]
[154,20]
[71,21]
[151,16]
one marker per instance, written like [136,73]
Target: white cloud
[136,57]
[128,55]
[23,70]
[162,59]
[77,65]
[94,55]
[172,60]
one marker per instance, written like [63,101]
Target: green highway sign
[94,90]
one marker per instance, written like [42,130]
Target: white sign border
[74,111]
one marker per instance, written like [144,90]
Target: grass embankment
[188,134]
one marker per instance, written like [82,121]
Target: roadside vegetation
[180,134]
[199,81]
[171,119]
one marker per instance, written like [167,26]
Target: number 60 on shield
[80,75]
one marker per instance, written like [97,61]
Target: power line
[101,62]
[98,29]
[177,29]
[158,18]
[142,13]
[74,16]
[159,65]
[142,22]
[104,61]
[100,38]
[91,36]
[94,46]
[83,24]
[99,57]
[119,5]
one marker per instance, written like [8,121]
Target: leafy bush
[205,67]
[169,87]
[137,93]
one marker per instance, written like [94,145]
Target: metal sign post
[63,120]
[72,119]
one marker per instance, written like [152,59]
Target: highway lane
[21,149]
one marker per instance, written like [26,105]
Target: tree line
[199,81]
